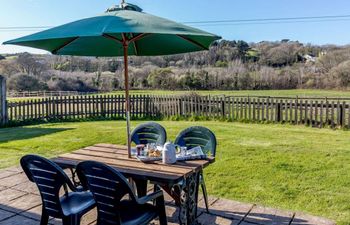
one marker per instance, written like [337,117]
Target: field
[282,166]
[272,93]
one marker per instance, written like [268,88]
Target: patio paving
[20,204]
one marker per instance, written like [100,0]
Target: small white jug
[169,153]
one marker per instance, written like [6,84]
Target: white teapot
[169,153]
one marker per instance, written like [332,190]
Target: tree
[341,74]
[24,82]
[162,79]
[27,64]
[242,47]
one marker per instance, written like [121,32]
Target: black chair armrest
[150,197]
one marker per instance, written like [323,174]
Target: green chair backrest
[198,136]
[149,133]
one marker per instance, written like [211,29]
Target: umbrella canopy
[121,31]
[103,35]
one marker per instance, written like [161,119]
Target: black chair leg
[141,187]
[205,194]
[160,204]
[44,218]
[71,220]
[155,189]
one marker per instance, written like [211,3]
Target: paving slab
[215,220]
[269,216]
[2,188]
[201,203]
[23,203]
[7,173]
[33,213]
[5,215]
[9,194]
[89,218]
[27,186]
[303,219]
[172,213]
[16,169]
[246,223]
[230,209]
[13,180]
[19,220]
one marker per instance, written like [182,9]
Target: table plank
[113,146]
[107,150]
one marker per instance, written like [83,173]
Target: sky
[24,13]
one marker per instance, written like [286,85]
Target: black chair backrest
[108,187]
[149,133]
[198,136]
[49,178]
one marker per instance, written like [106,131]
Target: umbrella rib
[112,38]
[138,37]
[192,41]
[136,48]
[64,45]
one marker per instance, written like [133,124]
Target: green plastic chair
[149,133]
[144,134]
[203,137]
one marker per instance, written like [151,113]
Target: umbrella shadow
[23,133]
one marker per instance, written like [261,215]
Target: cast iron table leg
[188,191]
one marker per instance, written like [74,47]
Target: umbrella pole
[127,98]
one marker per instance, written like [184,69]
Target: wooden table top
[117,157]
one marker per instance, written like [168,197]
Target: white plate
[148,159]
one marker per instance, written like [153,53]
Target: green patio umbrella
[122,30]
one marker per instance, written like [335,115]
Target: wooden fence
[313,112]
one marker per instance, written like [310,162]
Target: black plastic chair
[50,179]
[149,133]
[203,137]
[116,202]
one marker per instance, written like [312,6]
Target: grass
[282,166]
[283,93]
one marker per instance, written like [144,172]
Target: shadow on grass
[22,133]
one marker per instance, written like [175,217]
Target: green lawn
[283,93]
[282,166]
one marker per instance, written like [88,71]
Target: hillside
[228,65]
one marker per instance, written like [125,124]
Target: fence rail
[316,113]
[31,94]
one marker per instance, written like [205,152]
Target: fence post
[223,100]
[3,101]
[278,111]
[342,115]
[181,106]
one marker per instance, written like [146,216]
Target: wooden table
[179,180]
